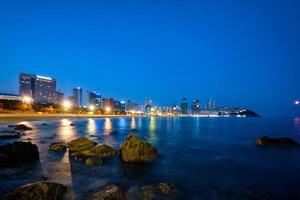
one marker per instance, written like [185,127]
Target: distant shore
[19,117]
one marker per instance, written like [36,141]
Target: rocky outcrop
[109,192]
[135,149]
[283,142]
[22,127]
[58,146]
[100,150]
[10,136]
[81,144]
[38,191]
[18,153]
[94,161]
[156,191]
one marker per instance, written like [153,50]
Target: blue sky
[242,53]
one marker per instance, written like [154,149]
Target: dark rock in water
[100,150]
[72,124]
[109,192]
[9,136]
[135,149]
[81,144]
[283,142]
[114,132]
[38,191]
[159,190]
[44,124]
[58,146]
[94,161]
[11,126]
[18,153]
[22,127]
[10,131]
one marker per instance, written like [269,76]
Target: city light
[27,99]
[91,107]
[107,109]
[297,102]
[67,105]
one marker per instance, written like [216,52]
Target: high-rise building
[77,94]
[196,107]
[132,107]
[148,106]
[59,97]
[108,104]
[94,99]
[211,104]
[184,106]
[41,88]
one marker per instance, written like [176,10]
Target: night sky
[244,53]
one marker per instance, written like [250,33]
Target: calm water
[207,158]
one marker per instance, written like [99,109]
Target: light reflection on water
[133,123]
[107,126]
[66,132]
[152,129]
[91,126]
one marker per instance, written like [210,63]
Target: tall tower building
[148,105]
[211,104]
[196,107]
[41,88]
[77,94]
[94,99]
[184,106]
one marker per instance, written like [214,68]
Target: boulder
[268,141]
[135,149]
[22,127]
[109,192]
[81,144]
[10,136]
[58,146]
[94,161]
[38,191]
[18,153]
[156,191]
[100,150]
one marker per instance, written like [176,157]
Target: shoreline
[19,117]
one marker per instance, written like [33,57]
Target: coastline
[19,117]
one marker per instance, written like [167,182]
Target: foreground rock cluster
[265,141]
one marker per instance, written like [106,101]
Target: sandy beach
[19,117]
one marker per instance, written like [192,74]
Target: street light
[67,105]
[107,109]
[297,102]
[27,99]
[91,107]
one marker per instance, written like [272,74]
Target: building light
[27,99]
[44,77]
[91,107]
[67,105]
[107,109]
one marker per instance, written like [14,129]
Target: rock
[72,124]
[18,153]
[94,161]
[58,146]
[9,136]
[22,127]
[135,149]
[81,144]
[44,124]
[100,150]
[10,131]
[268,141]
[114,132]
[38,191]
[109,192]
[159,190]
[11,126]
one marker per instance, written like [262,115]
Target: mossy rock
[283,142]
[135,149]
[58,146]
[38,191]
[94,161]
[109,192]
[100,150]
[157,191]
[81,144]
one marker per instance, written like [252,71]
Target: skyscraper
[148,105]
[211,104]
[184,106]
[94,99]
[196,107]
[41,88]
[77,94]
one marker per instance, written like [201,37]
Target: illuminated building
[77,94]
[41,88]
[184,106]
[211,104]
[195,108]
[59,96]
[148,105]
[94,99]
[132,107]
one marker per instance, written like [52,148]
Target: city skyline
[241,53]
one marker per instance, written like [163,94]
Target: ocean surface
[207,158]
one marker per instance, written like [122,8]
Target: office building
[148,105]
[211,104]
[184,106]
[41,88]
[94,99]
[77,94]
[196,107]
